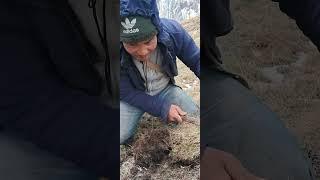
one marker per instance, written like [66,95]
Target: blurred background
[281,66]
[179,9]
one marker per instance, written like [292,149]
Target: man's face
[141,50]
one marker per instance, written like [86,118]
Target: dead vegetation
[185,142]
[152,146]
[159,150]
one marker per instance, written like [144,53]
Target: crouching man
[149,47]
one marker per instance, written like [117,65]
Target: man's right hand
[219,165]
[175,113]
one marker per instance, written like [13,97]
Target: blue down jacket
[173,42]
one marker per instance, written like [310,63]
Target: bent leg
[236,121]
[175,95]
[129,120]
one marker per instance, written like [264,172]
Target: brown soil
[162,151]
[152,147]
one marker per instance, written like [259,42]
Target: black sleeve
[306,13]
[36,102]
[216,17]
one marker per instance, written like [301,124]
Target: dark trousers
[236,121]
[20,159]
[38,104]
[49,94]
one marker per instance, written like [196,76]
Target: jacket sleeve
[151,104]
[217,17]
[306,14]
[186,49]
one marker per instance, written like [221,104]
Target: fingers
[212,166]
[236,170]
[227,163]
[173,114]
[234,167]
[178,118]
[176,113]
[180,111]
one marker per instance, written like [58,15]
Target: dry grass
[152,145]
[186,79]
[162,151]
[156,142]
[185,142]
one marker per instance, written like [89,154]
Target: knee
[173,93]
[128,128]
[176,90]
[124,136]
